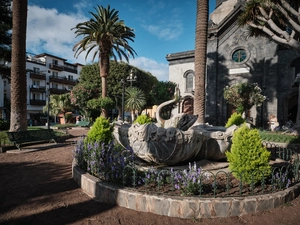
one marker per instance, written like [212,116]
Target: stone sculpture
[175,141]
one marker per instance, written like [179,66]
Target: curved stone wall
[177,206]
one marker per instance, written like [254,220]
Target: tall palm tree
[18,116]
[108,36]
[135,100]
[200,59]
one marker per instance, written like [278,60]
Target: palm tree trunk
[18,116]
[104,71]
[200,59]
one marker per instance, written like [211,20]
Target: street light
[48,105]
[131,78]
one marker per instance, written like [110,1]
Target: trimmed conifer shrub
[235,119]
[248,158]
[101,131]
[143,119]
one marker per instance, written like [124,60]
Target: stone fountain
[175,141]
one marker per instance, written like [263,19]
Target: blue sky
[161,27]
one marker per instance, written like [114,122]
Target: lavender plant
[190,181]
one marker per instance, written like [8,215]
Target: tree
[161,92]
[135,100]
[275,19]
[108,36]
[5,37]
[243,96]
[89,83]
[200,59]
[59,104]
[18,116]
[278,20]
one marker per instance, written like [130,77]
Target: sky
[161,27]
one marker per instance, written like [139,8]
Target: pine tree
[248,158]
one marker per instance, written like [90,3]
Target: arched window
[189,81]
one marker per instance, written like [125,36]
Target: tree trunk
[200,59]
[18,116]
[104,71]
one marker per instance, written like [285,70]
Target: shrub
[248,158]
[143,119]
[4,124]
[236,119]
[101,131]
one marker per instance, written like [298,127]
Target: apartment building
[46,75]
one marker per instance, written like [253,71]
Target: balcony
[58,91]
[54,66]
[71,70]
[37,102]
[63,80]
[38,75]
[37,88]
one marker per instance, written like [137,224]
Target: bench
[20,137]
[83,124]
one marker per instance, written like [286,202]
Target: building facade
[232,58]
[46,75]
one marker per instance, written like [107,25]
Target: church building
[232,58]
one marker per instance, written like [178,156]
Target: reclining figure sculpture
[175,141]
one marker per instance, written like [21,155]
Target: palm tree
[18,116]
[108,37]
[200,59]
[58,104]
[135,100]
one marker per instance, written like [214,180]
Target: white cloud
[166,31]
[50,31]
[159,70]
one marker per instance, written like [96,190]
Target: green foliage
[4,124]
[248,158]
[236,119]
[135,99]
[101,131]
[162,92]
[243,96]
[100,103]
[143,119]
[5,37]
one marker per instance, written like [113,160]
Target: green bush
[101,131]
[4,124]
[143,119]
[236,119]
[248,158]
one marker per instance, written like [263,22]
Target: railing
[56,66]
[37,102]
[191,181]
[63,79]
[38,75]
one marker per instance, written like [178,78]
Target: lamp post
[262,109]
[48,105]
[131,78]
[123,90]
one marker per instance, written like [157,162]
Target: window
[54,61]
[55,74]
[189,81]
[36,96]
[36,83]
[239,55]
[70,77]
[36,70]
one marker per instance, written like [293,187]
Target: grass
[279,136]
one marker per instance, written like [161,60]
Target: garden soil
[36,188]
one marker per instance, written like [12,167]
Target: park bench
[83,124]
[20,137]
